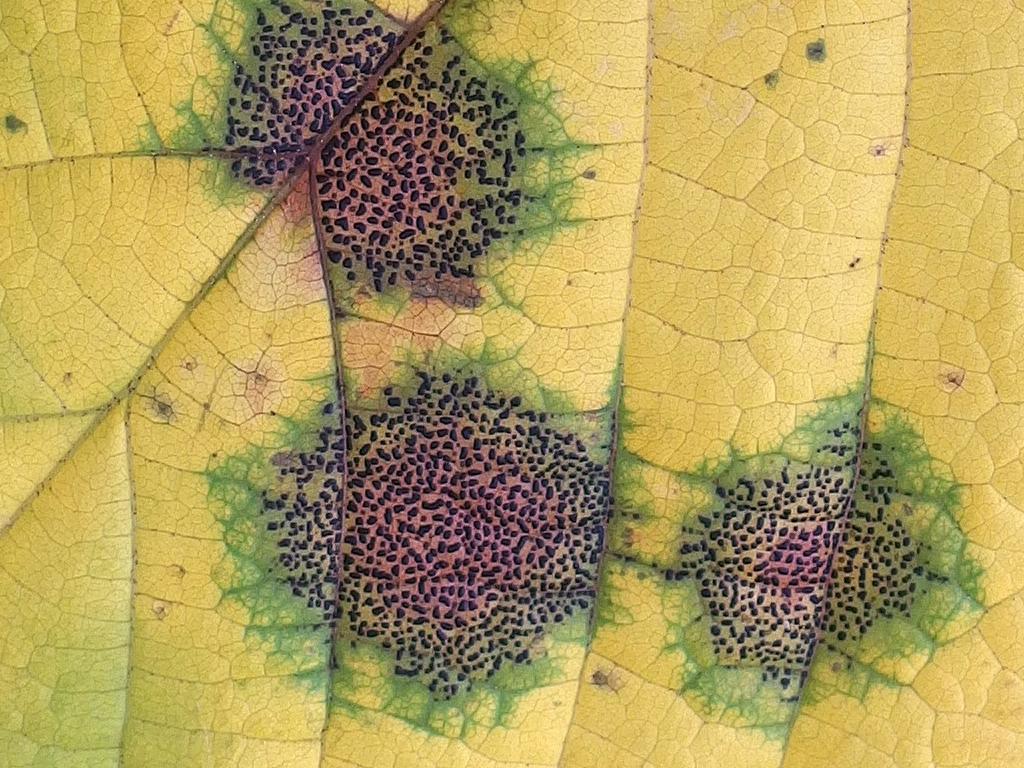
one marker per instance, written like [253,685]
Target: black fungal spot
[421,182]
[459,525]
[13,124]
[771,80]
[815,50]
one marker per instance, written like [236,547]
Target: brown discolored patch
[609,679]
[457,291]
[952,379]
[296,206]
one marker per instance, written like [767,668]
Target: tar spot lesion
[418,178]
[800,553]
[762,558]
[424,180]
[771,80]
[816,50]
[297,76]
[460,524]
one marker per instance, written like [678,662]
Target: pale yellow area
[98,259]
[29,451]
[889,727]
[403,10]
[622,719]
[763,211]
[593,53]
[203,690]
[65,605]
[950,313]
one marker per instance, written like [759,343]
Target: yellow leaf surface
[490,383]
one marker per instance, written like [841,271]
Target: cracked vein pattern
[211,680]
[29,450]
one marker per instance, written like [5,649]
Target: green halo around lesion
[658,512]
[363,684]
[304,644]
[947,601]
[254,585]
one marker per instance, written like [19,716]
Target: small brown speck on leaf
[604,678]
[163,409]
[953,379]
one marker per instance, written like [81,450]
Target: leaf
[487,383]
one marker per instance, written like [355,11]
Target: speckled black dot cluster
[763,558]
[301,513]
[805,554]
[300,73]
[459,524]
[878,567]
[419,184]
